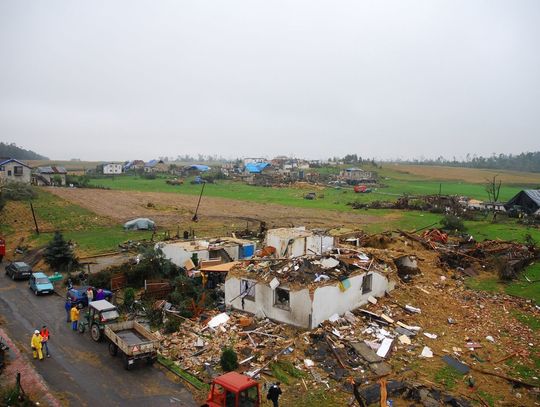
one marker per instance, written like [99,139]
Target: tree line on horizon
[12,150]
[528,162]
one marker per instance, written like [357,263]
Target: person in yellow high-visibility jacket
[36,345]
[74,317]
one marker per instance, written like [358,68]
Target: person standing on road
[35,343]
[45,339]
[67,307]
[74,317]
[90,295]
[100,294]
[273,394]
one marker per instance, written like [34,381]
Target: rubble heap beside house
[429,321]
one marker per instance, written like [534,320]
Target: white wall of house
[179,255]
[111,168]
[298,313]
[329,300]
[304,243]
[303,311]
[233,251]
[13,171]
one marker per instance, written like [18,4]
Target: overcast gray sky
[113,80]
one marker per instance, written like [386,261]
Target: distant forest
[522,162]
[14,151]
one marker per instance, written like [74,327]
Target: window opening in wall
[247,289]
[366,283]
[282,298]
[18,170]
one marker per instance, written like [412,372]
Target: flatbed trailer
[134,342]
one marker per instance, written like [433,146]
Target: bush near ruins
[17,191]
[452,222]
[229,360]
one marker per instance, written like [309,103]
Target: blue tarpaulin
[256,168]
[198,167]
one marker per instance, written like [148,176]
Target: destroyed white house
[155,166]
[226,249]
[112,168]
[288,164]
[12,170]
[356,176]
[134,165]
[477,205]
[308,290]
[45,176]
[294,242]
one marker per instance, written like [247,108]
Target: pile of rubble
[339,264]
[199,345]
[431,320]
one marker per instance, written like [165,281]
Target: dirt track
[170,210]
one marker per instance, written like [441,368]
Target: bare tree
[493,188]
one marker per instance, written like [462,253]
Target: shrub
[100,279]
[228,360]
[17,191]
[171,325]
[129,296]
[452,222]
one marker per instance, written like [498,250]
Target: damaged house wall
[298,313]
[329,300]
[296,242]
[303,311]
[180,252]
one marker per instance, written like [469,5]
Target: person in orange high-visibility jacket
[74,317]
[35,343]
[45,339]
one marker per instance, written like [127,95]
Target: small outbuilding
[51,175]
[527,200]
[225,249]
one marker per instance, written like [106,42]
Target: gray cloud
[128,79]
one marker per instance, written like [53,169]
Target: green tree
[59,255]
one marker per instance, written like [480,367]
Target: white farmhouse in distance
[112,168]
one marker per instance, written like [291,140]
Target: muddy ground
[169,210]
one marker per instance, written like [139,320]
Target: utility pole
[195,218]
[34,216]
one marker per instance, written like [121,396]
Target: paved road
[80,371]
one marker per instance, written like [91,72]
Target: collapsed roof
[527,199]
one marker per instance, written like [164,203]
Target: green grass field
[520,288]
[327,198]
[92,233]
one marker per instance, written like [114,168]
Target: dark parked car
[78,295]
[19,270]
